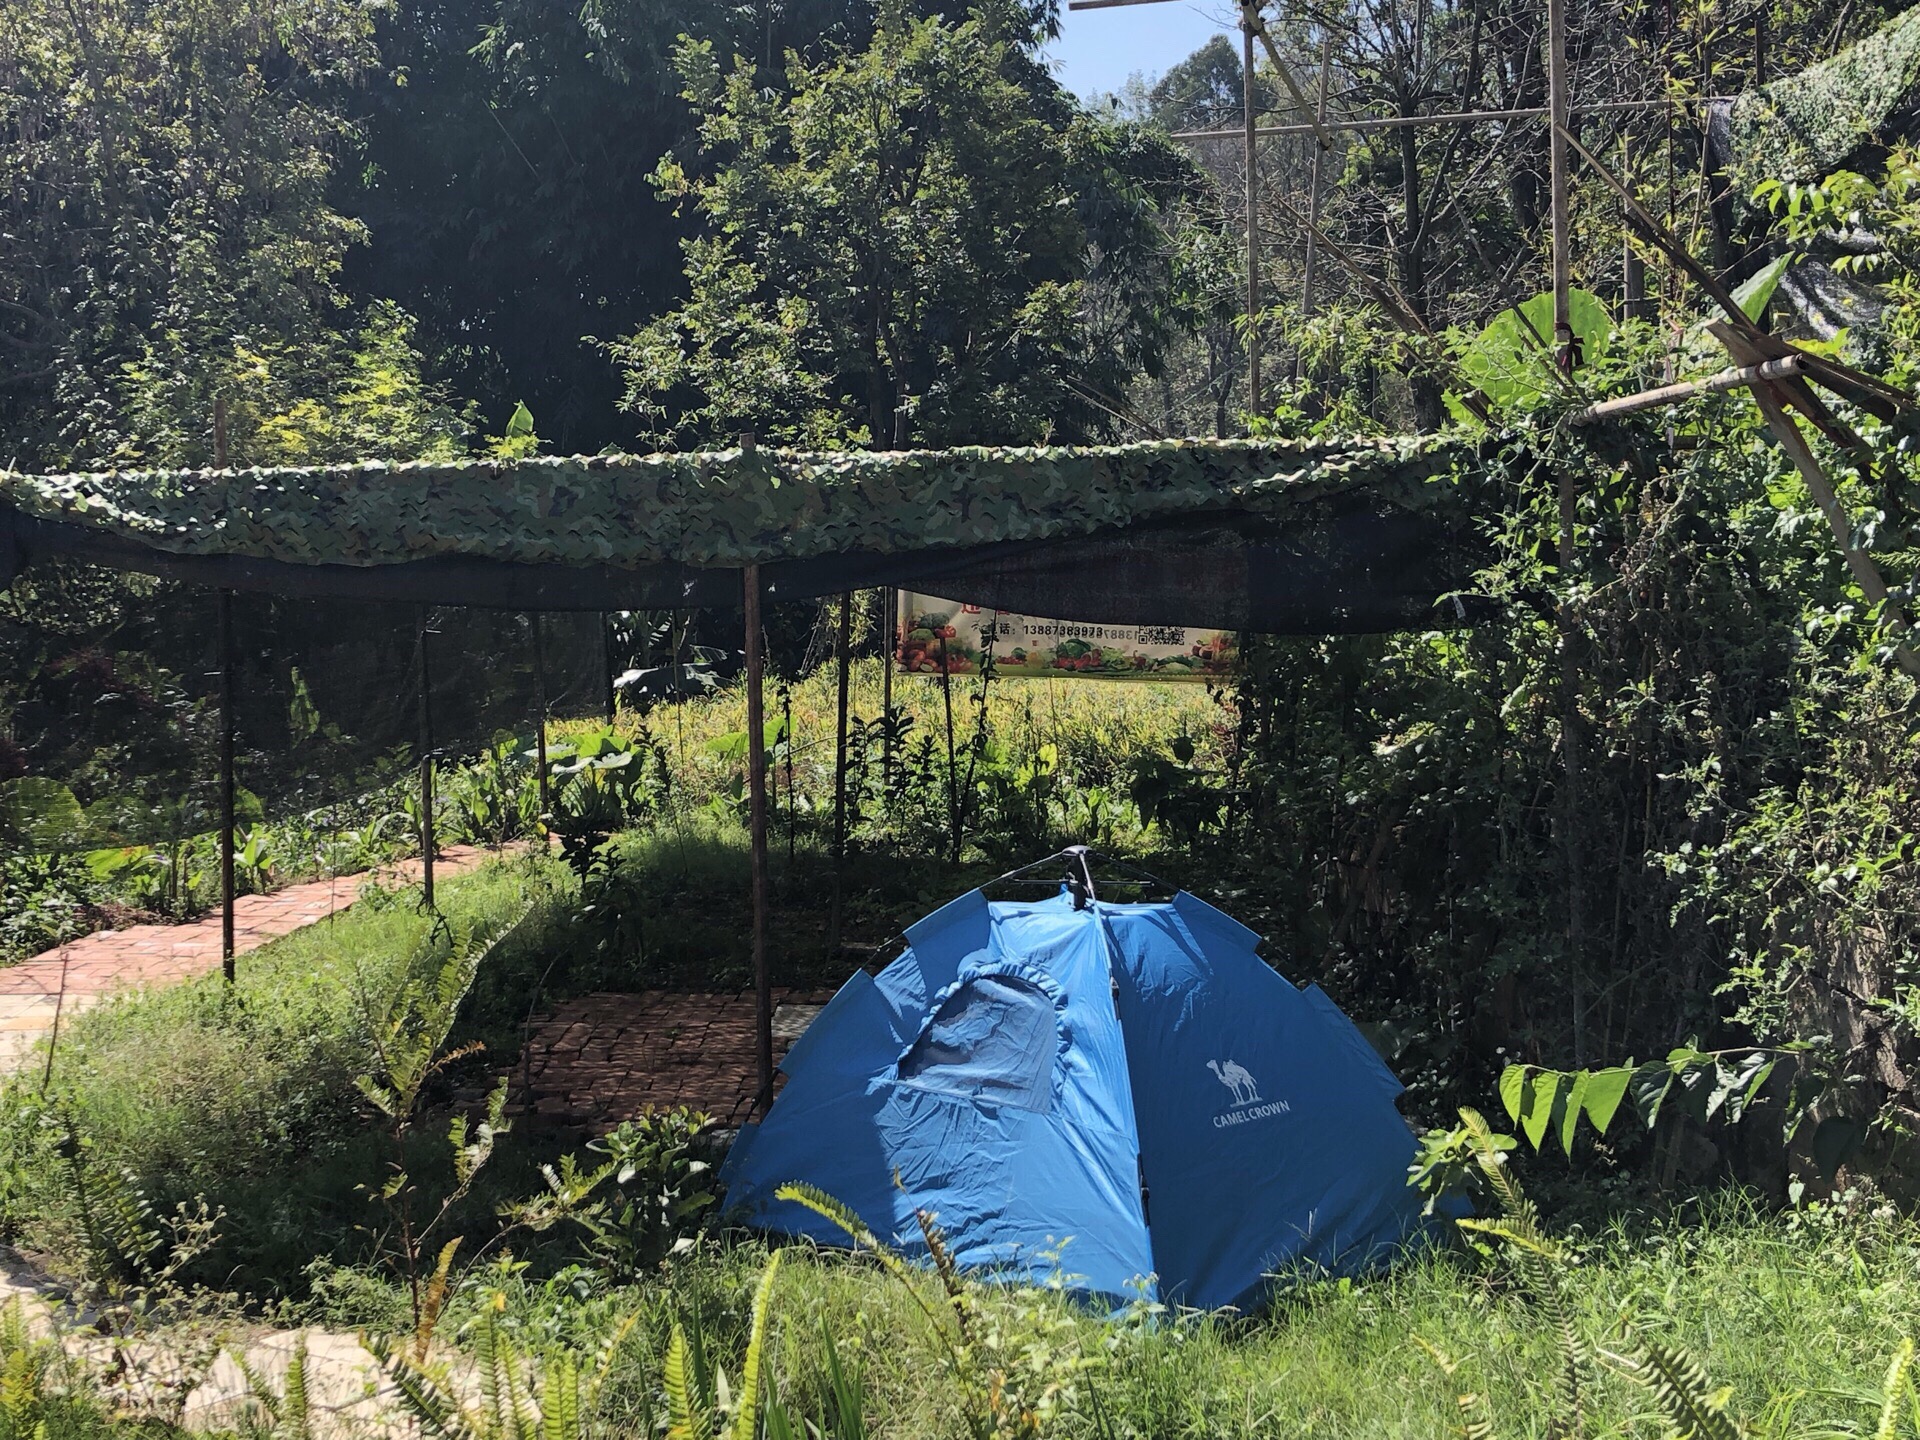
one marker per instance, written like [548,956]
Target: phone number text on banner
[930,631]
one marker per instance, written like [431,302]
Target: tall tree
[919,225]
[165,227]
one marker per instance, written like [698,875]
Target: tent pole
[226,728]
[540,731]
[840,767]
[757,819]
[426,762]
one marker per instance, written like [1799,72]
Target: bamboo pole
[1248,100]
[1866,574]
[1256,27]
[757,821]
[1313,181]
[1773,397]
[1563,342]
[1363,123]
[1731,379]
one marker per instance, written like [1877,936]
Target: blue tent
[1123,1093]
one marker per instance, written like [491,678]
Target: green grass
[1797,1314]
[246,1097]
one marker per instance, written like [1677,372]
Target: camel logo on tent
[1247,1104]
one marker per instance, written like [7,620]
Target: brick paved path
[600,1059]
[145,956]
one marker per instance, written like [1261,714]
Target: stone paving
[84,972]
[603,1058]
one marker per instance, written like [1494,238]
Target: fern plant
[1541,1264]
[1687,1401]
[1016,1373]
[410,1028]
[699,1403]
[509,1395]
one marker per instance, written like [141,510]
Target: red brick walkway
[145,956]
[600,1059]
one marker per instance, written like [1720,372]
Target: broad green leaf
[1569,1108]
[1754,1086]
[1649,1086]
[1605,1089]
[1756,290]
[520,423]
[1513,1086]
[1537,1111]
[1510,361]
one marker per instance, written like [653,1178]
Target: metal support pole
[540,731]
[840,766]
[606,666]
[227,786]
[757,820]
[890,603]
[1249,100]
[1558,113]
[426,761]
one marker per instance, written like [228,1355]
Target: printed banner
[928,629]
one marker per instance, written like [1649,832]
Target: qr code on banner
[1162,635]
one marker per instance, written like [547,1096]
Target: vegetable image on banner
[928,630]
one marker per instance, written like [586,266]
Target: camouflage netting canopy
[1277,536]
[1808,125]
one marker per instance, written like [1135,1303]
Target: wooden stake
[426,761]
[1248,99]
[757,821]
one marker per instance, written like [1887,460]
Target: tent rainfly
[1122,1093]
[1281,537]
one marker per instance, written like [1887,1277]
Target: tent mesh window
[992,1040]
